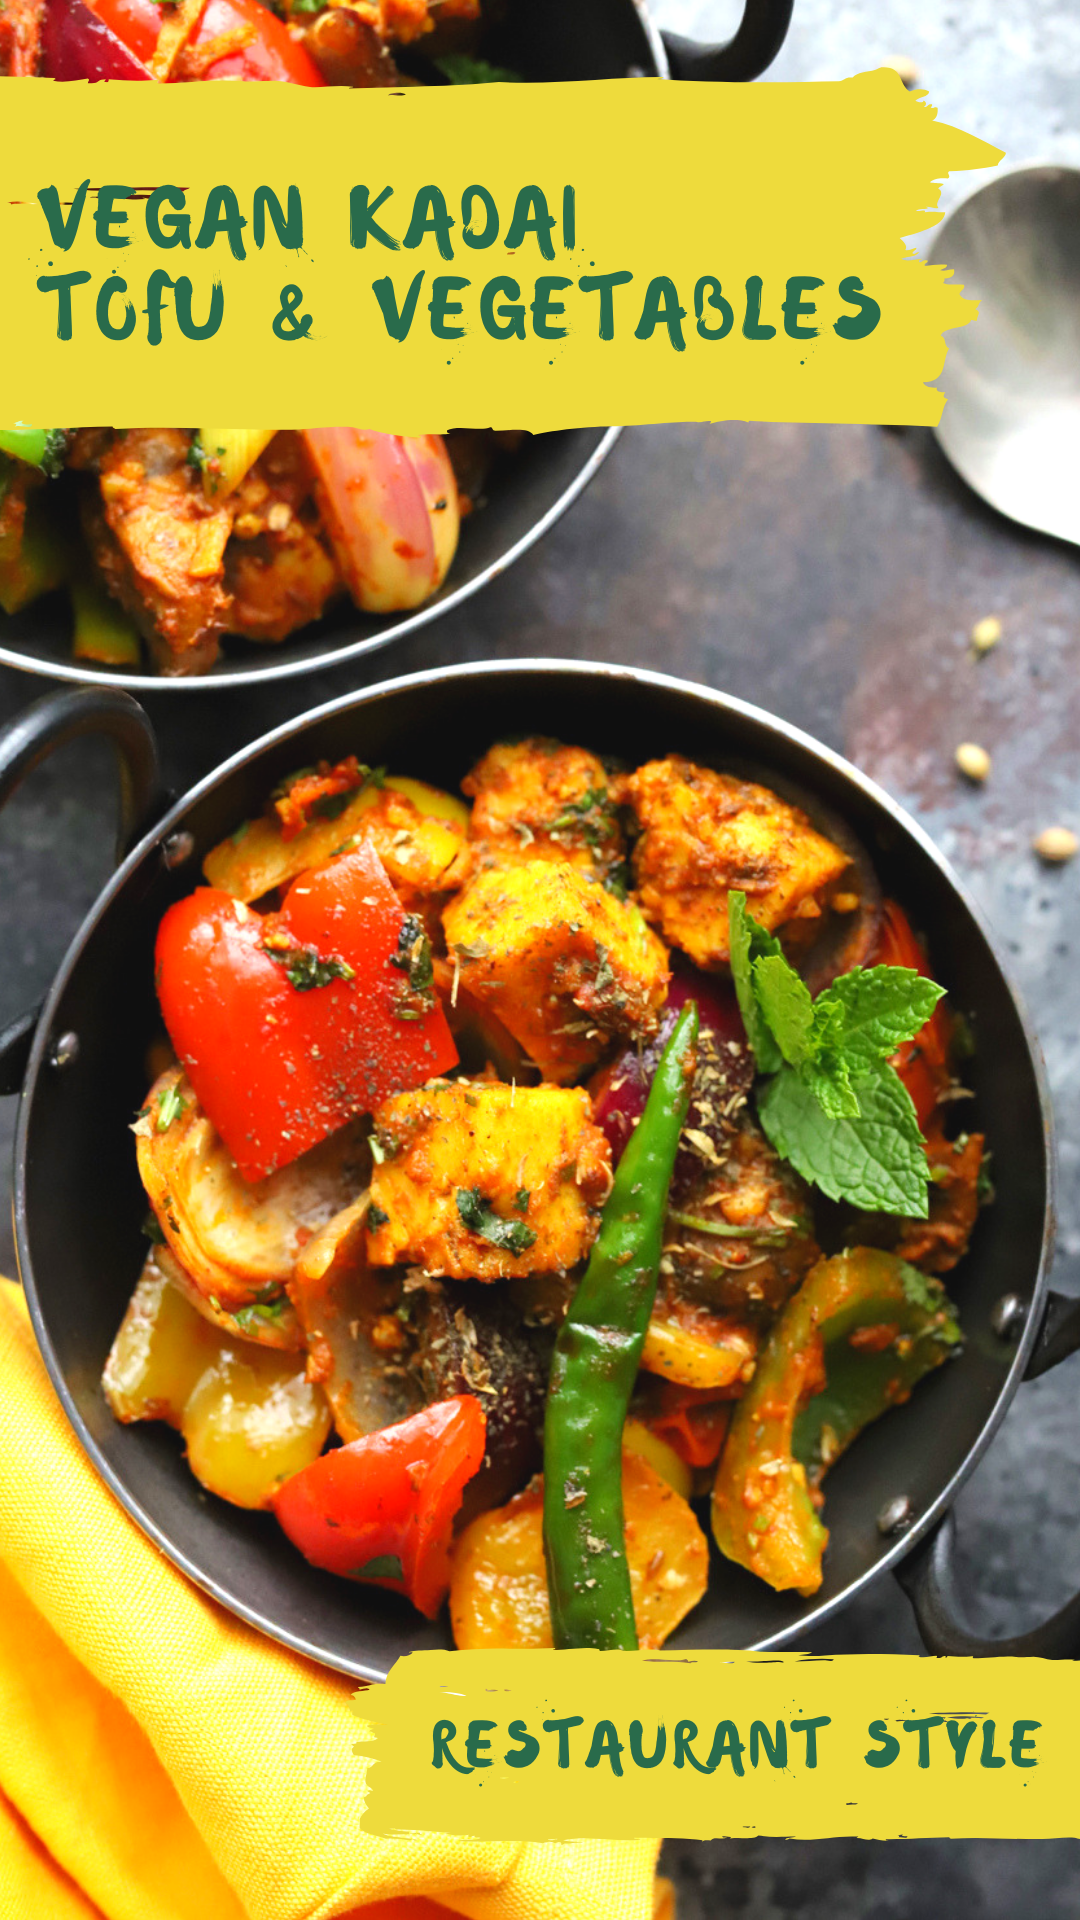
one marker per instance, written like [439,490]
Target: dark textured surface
[833,575]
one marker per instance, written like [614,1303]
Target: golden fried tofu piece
[562,962]
[538,800]
[417,832]
[160,545]
[705,833]
[477,1180]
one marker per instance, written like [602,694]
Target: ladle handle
[28,740]
[928,1574]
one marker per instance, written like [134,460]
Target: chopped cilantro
[618,880]
[267,1309]
[471,949]
[377,1217]
[304,968]
[170,1107]
[152,1230]
[385,1566]
[413,958]
[477,1213]
[52,460]
[521,1200]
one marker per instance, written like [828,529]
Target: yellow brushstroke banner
[507,256]
[548,1746]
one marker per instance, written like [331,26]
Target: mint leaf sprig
[831,1103]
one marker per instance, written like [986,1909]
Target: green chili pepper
[595,1366]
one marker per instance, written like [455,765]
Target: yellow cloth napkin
[161,1761]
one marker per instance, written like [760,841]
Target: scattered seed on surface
[973,762]
[1055,845]
[985,634]
[905,67]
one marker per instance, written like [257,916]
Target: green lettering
[795,308]
[223,215]
[61,284]
[960,1737]
[810,1727]
[685,1731]
[662,309]
[108,215]
[726,1745]
[775,1750]
[362,220]
[569,219]
[856,326]
[531,215]
[397,323]
[709,288]
[637,1752]
[528,1745]
[604,284]
[477,1742]
[445,1731]
[491,218]
[751,325]
[429,215]
[289,226]
[889,1745]
[1020,1744]
[440,306]
[62,231]
[178,232]
[562,1728]
[606,1745]
[543,306]
[506,322]
[113,285]
[922,1728]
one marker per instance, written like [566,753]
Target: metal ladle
[1012,380]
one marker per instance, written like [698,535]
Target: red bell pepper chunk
[922,1063]
[271,55]
[288,1024]
[692,1421]
[383,1508]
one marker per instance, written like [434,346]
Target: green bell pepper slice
[38,446]
[860,1333]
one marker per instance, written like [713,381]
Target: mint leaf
[747,942]
[785,1001]
[879,1009]
[832,1088]
[876,1158]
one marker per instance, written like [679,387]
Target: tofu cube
[563,963]
[477,1180]
[538,800]
[704,834]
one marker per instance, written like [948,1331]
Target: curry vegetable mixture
[541,1180]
